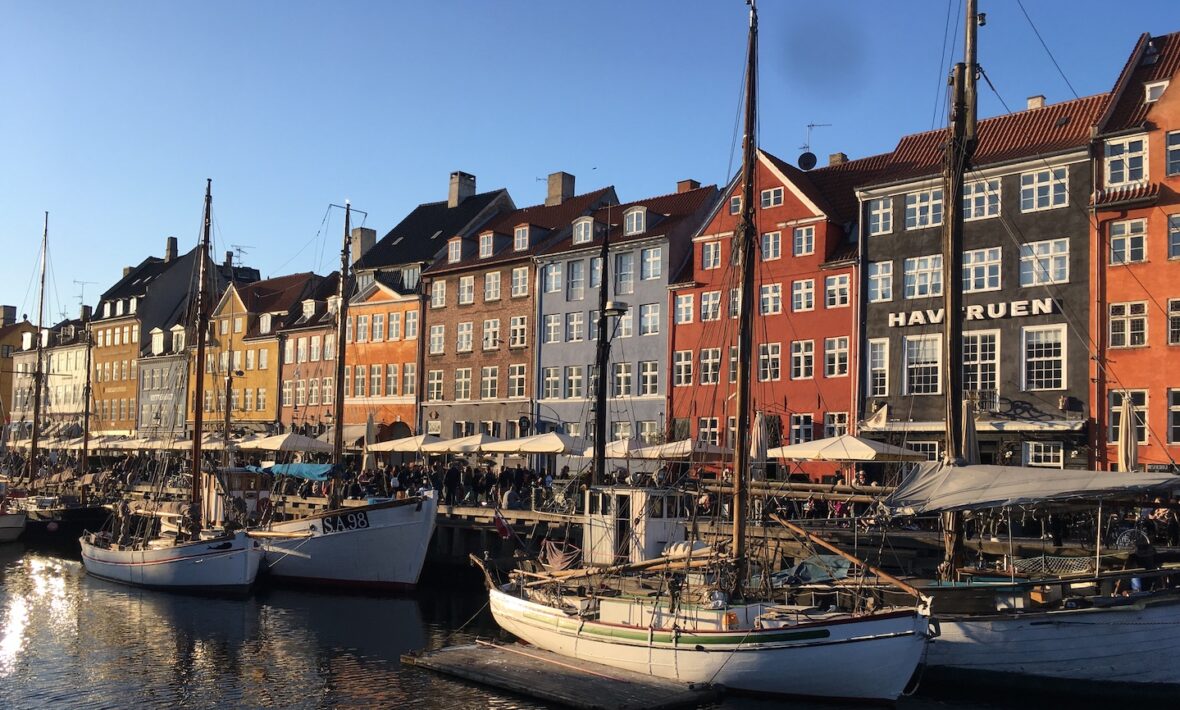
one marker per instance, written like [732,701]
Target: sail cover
[935,487]
[310,471]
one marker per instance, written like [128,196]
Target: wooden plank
[529,671]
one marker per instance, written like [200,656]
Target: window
[575,285]
[437,339]
[362,334]
[623,325]
[635,221]
[551,278]
[516,380]
[1128,324]
[771,300]
[1138,406]
[880,281]
[710,255]
[434,386]
[264,323]
[651,263]
[491,286]
[684,308]
[573,381]
[735,204]
[880,216]
[518,332]
[596,272]
[411,325]
[520,281]
[981,199]
[735,302]
[802,359]
[981,270]
[772,246]
[1173,153]
[1174,321]
[803,242]
[802,428]
[803,295]
[923,209]
[487,242]
[1044,189]
[923,276]
[1126,161]
[1153,91]
[648,433]
[375,385]
[489,382]
[649,378]
[1043,263]
[1174,416]
[551,383]
[710,366]
[584,230]
[575,326]
[358,385]
[622,379]
[772,197]
[438,294]
[454,251]
[491,334]
[391,380]
[923,359]
[286,395]
[1045,454]
[682,368]
[520,238]
[837,291]
[624,273]
[708,430]
[981,362]
[1174,236]
[463,383]
[409,379]
[878,367]
[836,356]
[553,328]
[649,319]
[464,337]
[1128,241]
[1044,357]
[835,424]
[710,305]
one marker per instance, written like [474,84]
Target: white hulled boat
[11,525]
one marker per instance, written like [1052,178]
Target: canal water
[71,641]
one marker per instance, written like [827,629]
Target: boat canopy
[935,487]
[310,471]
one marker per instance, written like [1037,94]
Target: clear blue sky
[114,113]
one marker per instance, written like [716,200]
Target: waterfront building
[479,324]
[806,318]
[648,240]
[1025,288]
[307,341]
[11,340]
[1136,250]
[63,390]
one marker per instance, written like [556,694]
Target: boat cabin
[632,524]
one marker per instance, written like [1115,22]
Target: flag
[501,526]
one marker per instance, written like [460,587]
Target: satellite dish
[807,160]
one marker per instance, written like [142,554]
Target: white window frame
[649,319]
[465,337]
[466,290]
[651,263]
[979,362]
[685,305]
[835,424]
[552,327]
[982,269]
[880,219]
[1154,90]
[981,199]
[1043,454]
[922,276]
[710,361]
[802,359]
[1126,233]
[880,281]
[710,306]
[682,368]
[551,281]
[438,293]
[923,208]
[575,281]
[491,286]
[803,241]
[907,366]
[836,356]
[771,197]
[487,242]
[1024,367]
[881,345]
[803,295]
[438,339]
[520,281]
[454,251]
[520,238]
[1049,186]
[1172,153]
[1127,314]
[838,291]
[635,221]
[710,255]
[583,230]
[772,247]
[770,299]
[1040,262]
[1129,154]
[1114,402]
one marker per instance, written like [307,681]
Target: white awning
[995,426]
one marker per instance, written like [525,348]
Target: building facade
[11,341]
[308,391]
[383,352]
[63,392]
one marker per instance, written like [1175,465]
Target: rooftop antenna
[82,290]
[807,158]
[240,250]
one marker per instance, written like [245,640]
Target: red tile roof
[838,183]
[1154,59]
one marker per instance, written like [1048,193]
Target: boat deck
[529,671]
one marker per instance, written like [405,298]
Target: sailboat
[373,544]
[690,616]
[225,563]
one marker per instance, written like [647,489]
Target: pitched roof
[665,214]
[838,183]
[1153,59]
[136,281]
[278,294]
[21,325]
[425,230]
[324,288]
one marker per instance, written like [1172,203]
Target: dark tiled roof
[1154,59]
[14,327]
[135,283]
[278,294]
[392,280]
[665,213]
[325,288]
[425,231]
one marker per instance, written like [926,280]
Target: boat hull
[866,658]
[379,546]
[11,526]
[1127,644]
[227,565]
[64,524]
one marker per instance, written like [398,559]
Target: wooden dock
[529,671]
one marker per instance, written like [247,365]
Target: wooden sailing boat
[224,563]
[690,617]
[374,544]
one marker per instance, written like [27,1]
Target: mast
[202,334]
[601,360]
[38,373]
[744,255]
[959,150]
[229,384]
[84,461]
[341,319]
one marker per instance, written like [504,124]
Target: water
[68,640]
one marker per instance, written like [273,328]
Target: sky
[114,113]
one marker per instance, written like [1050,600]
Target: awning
[935,487]
[687,449]
[354,435]
[983,426]
[845,448]
[463,445]
[548,443]
[407,444]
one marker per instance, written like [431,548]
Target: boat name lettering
[346,521]
[978,311]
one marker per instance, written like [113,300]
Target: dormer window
[264,323]
[584,230]
[1154,91]
[454,251]
[157,341]
[132,304]
[119,308]
[308,308]
[635,221]
[177,338]
[486,243]
[106,310]
[735,204]
[520,238]
[1126,161]
[411,276]
[333,303]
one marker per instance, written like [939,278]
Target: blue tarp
[310,471]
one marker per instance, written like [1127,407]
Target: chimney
[86,314]
[687,185]
[7,315]
[170,250]
[229,261]
[127,271]
[364,238]
[1037,101]
[462,187]
[561,188]
[837,159]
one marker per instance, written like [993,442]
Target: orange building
[308,344]
[1136,249]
